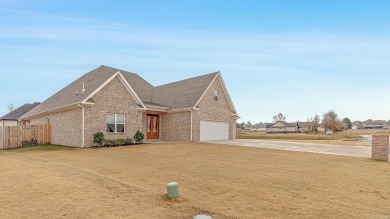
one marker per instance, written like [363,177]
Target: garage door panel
[214,130]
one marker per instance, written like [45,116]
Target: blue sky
[295,57]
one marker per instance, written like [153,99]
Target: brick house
[12,118]
[118,103]
[286,127]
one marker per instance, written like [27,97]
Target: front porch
[163,126]
[152,126]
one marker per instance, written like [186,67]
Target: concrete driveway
[353,151]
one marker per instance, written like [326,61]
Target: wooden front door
[153,126]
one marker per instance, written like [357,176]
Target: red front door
[153,126]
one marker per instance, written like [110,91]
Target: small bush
[98,138]
[128,141]
[119,142]
[138,137]
[107,143]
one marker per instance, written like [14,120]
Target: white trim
[116,122]
[160,107]
[191,128]
[82,125]
[132,92]
[227,94]
[234,131]
[222,83]
[100,87]
[180,110]
[124,82]
[55,110]
[204,93]
[3,135]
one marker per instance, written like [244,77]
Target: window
[115,123]
[215,95]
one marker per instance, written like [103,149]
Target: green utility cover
[172,190]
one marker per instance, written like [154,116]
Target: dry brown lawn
[348,138]
[225,181]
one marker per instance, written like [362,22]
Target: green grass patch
[46,147]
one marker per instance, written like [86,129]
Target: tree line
[329,121]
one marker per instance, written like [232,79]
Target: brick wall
[113,98]
[209,109]
[65,127]
[176,126]
[380,147]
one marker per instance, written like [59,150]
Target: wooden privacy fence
[15,136]
[238,133]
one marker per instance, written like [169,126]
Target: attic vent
[215,95]
[77,93]
[82,91]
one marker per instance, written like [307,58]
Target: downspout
[191,125]
[3,135]
[82,125]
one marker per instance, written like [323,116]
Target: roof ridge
[217,72]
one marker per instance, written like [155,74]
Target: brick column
[380,147]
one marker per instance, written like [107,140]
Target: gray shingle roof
[15,114]
[176,95]
[182,94]
[287,124]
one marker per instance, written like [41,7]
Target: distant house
[12,118]
[239,126]
[259,127]
[286,127]
[374,126]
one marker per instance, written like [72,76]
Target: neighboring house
[374,126]
[285,127]
[259,127]
[239,126]
[12,118]
[303,126]
[118,103]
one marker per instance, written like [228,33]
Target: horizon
[299,58]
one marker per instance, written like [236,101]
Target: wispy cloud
[312,63]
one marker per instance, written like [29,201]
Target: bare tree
[11,107]
[279,118]
[330,121]
[314,123]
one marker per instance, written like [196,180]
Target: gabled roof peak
[176,95]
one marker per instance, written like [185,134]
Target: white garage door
[211,130]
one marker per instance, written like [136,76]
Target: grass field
[349,137]
[224,181]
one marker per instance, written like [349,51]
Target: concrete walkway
[353,151]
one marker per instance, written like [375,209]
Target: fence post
[380,147]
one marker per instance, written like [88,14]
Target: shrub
[120,142]
[117,142]
[98,138]
[107,143]
[128,141]
[139,136]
